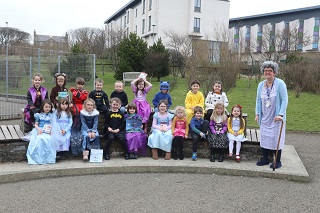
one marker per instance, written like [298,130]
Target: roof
[276,13]
[122,10]
[43,38]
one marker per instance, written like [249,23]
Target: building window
[300,34]
[214,52]
[286,36]
[196,25]
[136,12]
[259,38]
[315,44]
[136,30]
[248,31]
[125,21]
[236,39]
[143,25]
[150,4]
[197,5]
[149,28]
[143,6]
[128,17]
[272,37]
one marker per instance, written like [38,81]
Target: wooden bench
[10,133]
[129,76]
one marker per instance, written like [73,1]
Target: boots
[212,155]
[168,156]
[265,157]
[221,155]
[155,154]
[181,155]
[278,162]
[174,154]
[85,154]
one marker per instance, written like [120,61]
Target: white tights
[238,147]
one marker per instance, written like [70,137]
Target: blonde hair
[214,113]
[118,82]
[99,80]
[89,100]
[117,100]
[181,109]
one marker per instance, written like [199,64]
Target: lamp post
[7,67]
[153,33]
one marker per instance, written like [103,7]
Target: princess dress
[136,138]
[62,142]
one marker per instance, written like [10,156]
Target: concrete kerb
[292,169]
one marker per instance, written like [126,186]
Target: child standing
[136,137]
[119,93]
[115,126]
[61,126]
[41,149]
[218,132]
[79,95]
[100,97]
[89,120]
[194,98]
[180,130]
[198,129]
[213,97]
[161,137]
[35,95]
[140,88]
[60,90]
[162,95]
[236,127]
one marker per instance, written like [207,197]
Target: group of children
[62,123]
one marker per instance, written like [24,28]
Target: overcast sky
[58,16]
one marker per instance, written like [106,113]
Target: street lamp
[7,55]
[153,33]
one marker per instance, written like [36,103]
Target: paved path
[160,192]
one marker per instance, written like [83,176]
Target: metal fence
[18,65]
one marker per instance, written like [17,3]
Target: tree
[156,62]
[131,52]
[76,64]
[14,36]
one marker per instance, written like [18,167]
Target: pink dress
[143,107]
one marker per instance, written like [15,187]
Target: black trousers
[120,136]
[196,137]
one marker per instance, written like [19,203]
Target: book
[143,75]
[46,129]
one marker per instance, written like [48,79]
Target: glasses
[268,70]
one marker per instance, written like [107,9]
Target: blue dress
[158,139]
[41,149]
[62,142]
[89,124]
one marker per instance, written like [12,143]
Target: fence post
[94,70]
[39,58]
[59,63]
[30,70]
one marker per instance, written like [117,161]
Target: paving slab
[292,169]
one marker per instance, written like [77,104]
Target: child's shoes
[212,158]
[238,158]
[230,155]
[167,156]
[194,156]
[85,155]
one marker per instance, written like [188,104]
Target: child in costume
[100,97]
[198,129]
[61,127]
[218,138]
[119,93]
[236,127]
[89,120]
[180,131]
[79,95]
[60,90]
[161,137]
[213,97]
[162,95]
[41,148]
[115,127]
[140,88]
[35,95]
[194,98]
[136,137]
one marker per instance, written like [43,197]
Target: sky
[59,16]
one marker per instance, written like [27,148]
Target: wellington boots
[167,156]
[85,155]
[265,157]
[155,154]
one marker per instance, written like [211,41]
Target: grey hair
[270,64]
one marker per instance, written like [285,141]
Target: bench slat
[258,134]
[13,132]
[18,131]
[6,132]
[253,135]
[2,135]
[249,135]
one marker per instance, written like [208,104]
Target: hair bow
[238,105]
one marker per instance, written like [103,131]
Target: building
[290,30]
[52,44]
[151,19]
